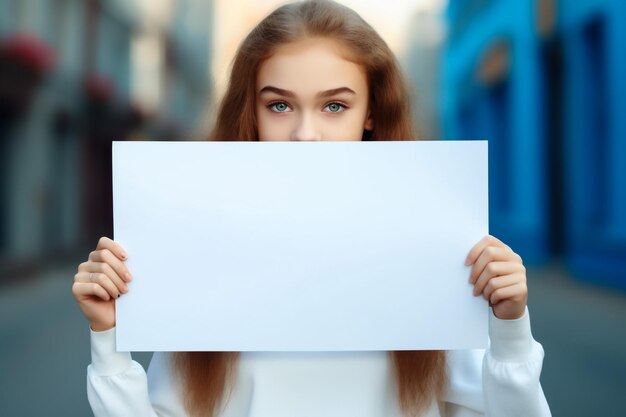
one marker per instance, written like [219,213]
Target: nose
[305,130]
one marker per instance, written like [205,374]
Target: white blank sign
[300,246]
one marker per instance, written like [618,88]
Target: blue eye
[282,107]
[278,107]
[335,107]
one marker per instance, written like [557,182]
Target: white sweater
[502,381]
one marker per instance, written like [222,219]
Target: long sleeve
[502,381]
[118,385]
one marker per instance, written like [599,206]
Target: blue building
[594,124]
[541,81]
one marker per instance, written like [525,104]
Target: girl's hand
[499,275]
[99,281]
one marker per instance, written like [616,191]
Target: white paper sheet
[300,246]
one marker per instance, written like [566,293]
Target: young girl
[316,71]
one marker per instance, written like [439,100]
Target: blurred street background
[542,80]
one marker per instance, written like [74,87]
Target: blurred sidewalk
[44,346]
[582,328]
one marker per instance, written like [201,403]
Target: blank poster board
[300,246]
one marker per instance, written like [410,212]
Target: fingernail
[128,276]
[124,255]
[467,262]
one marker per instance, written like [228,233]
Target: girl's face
[308,90]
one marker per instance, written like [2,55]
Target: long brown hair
[208,376]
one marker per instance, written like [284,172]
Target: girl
[316,71]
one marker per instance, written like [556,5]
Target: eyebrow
[321,94]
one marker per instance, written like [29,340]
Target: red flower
[29,51]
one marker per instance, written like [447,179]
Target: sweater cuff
[105,360]
[511,340]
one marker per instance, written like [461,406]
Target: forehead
[311,65]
